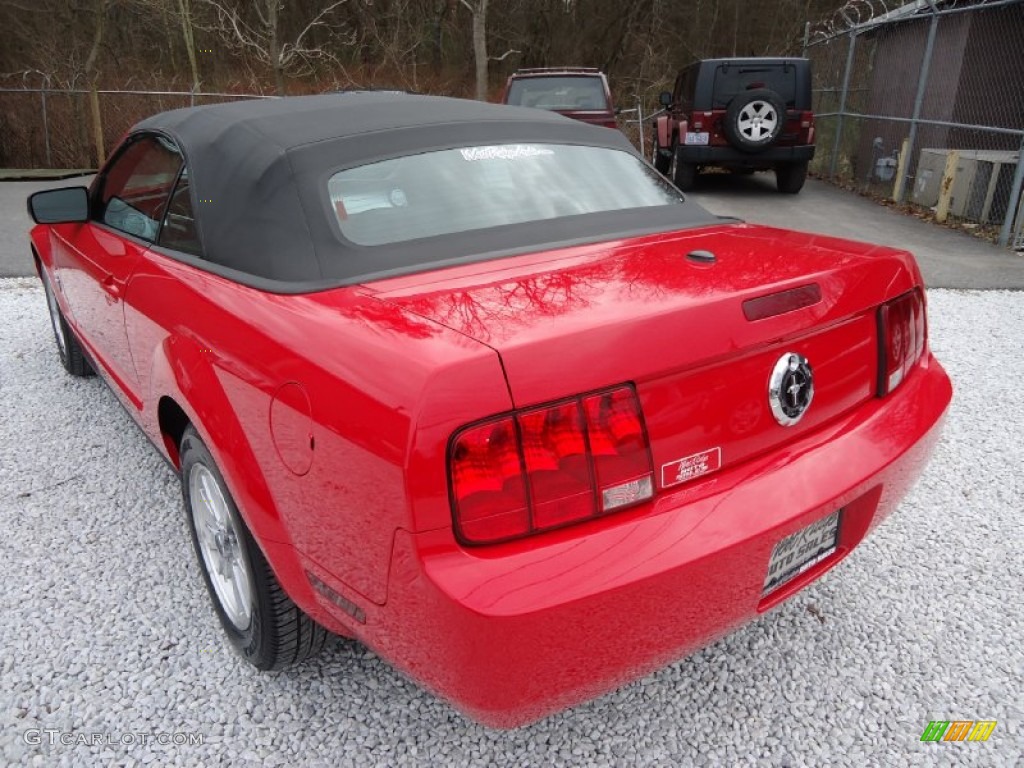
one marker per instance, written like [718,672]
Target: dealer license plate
[800,551]
[696,137]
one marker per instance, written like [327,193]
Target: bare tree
[263,37]
[185,15]
[479,10]
[99,11]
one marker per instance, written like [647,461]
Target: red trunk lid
[642,311]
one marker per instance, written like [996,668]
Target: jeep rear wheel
[684,174]
[753,119]
[790,177]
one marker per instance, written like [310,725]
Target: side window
[179,227]
[677,91]
[684,89]
[133,193]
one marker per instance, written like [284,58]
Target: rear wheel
[790,177]
[684,175]
[262,623]
[68,348]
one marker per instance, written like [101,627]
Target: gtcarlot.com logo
[52,737]
[958,730]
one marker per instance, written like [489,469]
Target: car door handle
[112,287]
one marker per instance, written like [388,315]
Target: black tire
[278,633]
[684,175]
[68,349]
[661,161]
[790,177]
[754,119]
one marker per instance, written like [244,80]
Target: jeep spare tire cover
[753,119]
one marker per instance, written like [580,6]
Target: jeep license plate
[800,551]
[696,138]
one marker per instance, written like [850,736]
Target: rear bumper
[514,632]
[730,157]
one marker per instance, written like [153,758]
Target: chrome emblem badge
[790,388]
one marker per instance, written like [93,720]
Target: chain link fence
[923,104]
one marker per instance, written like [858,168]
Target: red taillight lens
[622,462]
[555,450]
[487,479]
[550,466]
[901,325]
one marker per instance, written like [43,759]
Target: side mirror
[59,206]
[665,98]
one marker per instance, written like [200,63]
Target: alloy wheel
[222,547]
[757,121]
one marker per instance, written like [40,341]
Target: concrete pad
[15,257]
[948,258]
[41,174]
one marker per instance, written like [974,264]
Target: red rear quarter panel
[369,372]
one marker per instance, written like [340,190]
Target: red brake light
[555,451]
[487,479]
[550,466]
[902,331]
[618,442]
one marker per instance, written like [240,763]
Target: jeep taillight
[549,466]
[901,333]
[807,126]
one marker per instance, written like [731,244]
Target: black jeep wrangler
[744,115]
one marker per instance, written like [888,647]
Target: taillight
[546,467]
[901,333]
[807,126]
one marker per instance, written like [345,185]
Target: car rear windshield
[732,79]
[472,188]
[566,93]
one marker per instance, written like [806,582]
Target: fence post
[842,106]
[922,85]
[1015,192]
[46,122]
[807,37]
[640,124]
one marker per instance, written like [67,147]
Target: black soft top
[258,174]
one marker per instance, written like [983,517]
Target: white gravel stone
[107,628]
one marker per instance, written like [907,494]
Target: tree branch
[505,55]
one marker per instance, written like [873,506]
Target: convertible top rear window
[313,192]
[480,187]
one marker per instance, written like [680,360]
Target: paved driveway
[949,259]
[15,223]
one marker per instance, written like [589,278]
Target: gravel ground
[107,628]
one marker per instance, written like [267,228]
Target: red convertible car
[475,385]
